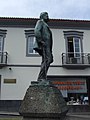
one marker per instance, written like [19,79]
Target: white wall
[23,77]
[58,45]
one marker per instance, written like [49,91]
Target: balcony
[81,61]
[3,59]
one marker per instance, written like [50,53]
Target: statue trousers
[47,59]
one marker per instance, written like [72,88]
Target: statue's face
[46,18]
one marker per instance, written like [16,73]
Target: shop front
[74,89]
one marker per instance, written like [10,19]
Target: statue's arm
[38,31]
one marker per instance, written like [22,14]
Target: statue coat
[42,34]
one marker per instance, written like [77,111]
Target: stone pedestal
[43,102]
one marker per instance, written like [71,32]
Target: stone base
[45,118]
[43,102]
[67,117]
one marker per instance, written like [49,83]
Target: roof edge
[52,20]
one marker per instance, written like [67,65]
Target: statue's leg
[47,59]
[42,73]
[49,56]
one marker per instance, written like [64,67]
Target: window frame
[2,35]
[30,33]
[74,34]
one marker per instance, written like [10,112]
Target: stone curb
[9,113]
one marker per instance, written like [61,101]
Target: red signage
[69,85]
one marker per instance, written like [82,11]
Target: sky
[57,9]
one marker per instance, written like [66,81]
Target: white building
[19,64]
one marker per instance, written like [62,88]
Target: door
[77,50]
[74,50]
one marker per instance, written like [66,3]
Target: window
[2,36]
[1,43]
[74,48]
[30,40]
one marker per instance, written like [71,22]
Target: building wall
[15,45]
[86,41]
[23,76]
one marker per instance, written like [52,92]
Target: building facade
[20,64]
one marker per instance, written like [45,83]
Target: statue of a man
[43,44]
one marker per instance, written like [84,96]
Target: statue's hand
[43,43]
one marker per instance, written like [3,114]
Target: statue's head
[44,16]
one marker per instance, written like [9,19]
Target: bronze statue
[43,44]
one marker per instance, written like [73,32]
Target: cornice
[53,23]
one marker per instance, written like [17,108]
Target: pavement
[79,114]
[71,116]
[17,114]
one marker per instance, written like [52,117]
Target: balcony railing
[75,60]
[3,59]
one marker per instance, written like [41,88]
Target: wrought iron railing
[3,58]
[75,58]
